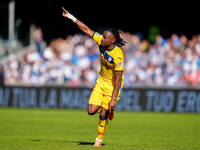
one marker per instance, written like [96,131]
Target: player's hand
[111,105]
[64,12]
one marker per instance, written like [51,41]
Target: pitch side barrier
[185,100]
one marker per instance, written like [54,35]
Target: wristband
[71,17]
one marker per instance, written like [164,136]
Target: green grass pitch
[57,129]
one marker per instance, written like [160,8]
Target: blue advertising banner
[137,99]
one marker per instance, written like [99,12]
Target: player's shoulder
[118,51]
[97,37]
[96,34]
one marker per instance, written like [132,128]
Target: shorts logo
[120,63]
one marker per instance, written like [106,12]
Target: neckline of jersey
[111,48]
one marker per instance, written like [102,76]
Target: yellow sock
[102,127]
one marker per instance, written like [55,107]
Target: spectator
[40,44]
[1,76]
[74,61]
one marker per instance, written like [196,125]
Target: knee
[91,112]
[92,109]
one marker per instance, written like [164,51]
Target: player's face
[108,39]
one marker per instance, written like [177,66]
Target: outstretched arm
[80,24]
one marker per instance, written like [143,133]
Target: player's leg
[96,99]
[103,122]
[103,118]
[102,126]
[93,109]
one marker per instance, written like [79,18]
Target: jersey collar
[111,48]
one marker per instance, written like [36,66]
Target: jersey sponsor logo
[119,67]
[119,58]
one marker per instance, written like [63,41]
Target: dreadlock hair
[116,32]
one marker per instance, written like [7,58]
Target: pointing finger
[65,10]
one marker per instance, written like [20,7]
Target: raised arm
[80,24]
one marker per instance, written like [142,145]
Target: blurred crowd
[3,45]
[74,61]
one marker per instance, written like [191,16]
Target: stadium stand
[74,61]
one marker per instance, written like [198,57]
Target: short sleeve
[119,62]
[97,38]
